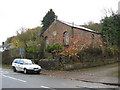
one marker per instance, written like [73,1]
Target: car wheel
[25,71]
[38,72]
[14,69]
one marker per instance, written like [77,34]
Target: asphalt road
[12,79]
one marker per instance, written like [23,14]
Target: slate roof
[78,26]
[74,26]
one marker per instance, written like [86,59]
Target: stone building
[69,33]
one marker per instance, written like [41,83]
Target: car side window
[16,61]
[20,62]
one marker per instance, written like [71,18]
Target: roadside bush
[89,54]
[113,51]
[54,49]
[9,55]
[71,58]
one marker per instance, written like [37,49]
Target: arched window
[92,36]
[66,38]
[46,41]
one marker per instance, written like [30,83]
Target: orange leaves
[54,51]
[105,42]
[73,42]
[100,41]
[73,49]
[69,55]
[75,54]
[75,45]
[100,45]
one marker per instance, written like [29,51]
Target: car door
[17,64]
[20,65]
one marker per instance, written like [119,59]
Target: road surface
[12,79]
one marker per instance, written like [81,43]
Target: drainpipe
[72,30]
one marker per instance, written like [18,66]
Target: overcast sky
[15,14]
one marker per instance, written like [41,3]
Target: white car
[25,65]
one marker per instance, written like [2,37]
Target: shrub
[55,47]
[89,54]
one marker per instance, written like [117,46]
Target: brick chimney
[56,18]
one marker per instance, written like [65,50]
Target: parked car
[25,65]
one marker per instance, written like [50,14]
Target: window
[54,33]
[92,36]
[65,38]
[46,41]
[20,62]
[28,62]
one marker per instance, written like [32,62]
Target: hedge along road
[12,79]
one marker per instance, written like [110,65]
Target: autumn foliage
[71,53]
